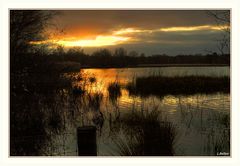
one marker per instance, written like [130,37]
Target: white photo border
[233,5]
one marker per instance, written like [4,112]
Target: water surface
[200,119]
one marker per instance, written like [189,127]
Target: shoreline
[74,66]
[158,65]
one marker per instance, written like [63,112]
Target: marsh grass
[94,100]
[221,139]
[146,135]
[225,120]
[114,90]
[77,90]
[184,85]
[129,145]
[33,118]
[222,143]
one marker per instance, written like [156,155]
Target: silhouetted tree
[102,53]
[76,54]
[120,52]
[142,55]
[26,26]
[222,18]
[34,81]
[133,54]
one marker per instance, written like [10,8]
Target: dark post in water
[87,145]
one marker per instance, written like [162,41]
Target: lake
[201,121]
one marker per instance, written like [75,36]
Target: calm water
[199,119]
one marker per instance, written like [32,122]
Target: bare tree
[120,52]
[26,26]
[222,18]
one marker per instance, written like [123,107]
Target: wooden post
[87,145]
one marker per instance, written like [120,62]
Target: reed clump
[146,135]
[114,90]
[184,85]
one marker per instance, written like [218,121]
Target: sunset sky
[150,32]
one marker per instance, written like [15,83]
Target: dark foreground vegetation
[146,133]
[36,87]
[36,104]
[184,85]
[114,90]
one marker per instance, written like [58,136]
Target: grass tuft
[146,135]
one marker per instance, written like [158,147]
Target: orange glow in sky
[120,36]
[97,42]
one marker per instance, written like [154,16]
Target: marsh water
[201,120]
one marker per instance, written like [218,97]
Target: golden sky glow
[169,29]
[129,30]
[121,36]
[192,28]
[99,41]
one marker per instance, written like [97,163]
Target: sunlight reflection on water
[196,116]
[181,110]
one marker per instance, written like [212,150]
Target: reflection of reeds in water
[92,79]
[84,93]
[114,90]
[146,134]
[89,102]
[218,142]
[212,126]
[219,137]
[78,90]
[36,118]
[81,82]
[94,100]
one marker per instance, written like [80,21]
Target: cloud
[88,22]
[149,30]
[169,40]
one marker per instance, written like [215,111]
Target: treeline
[121,58]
